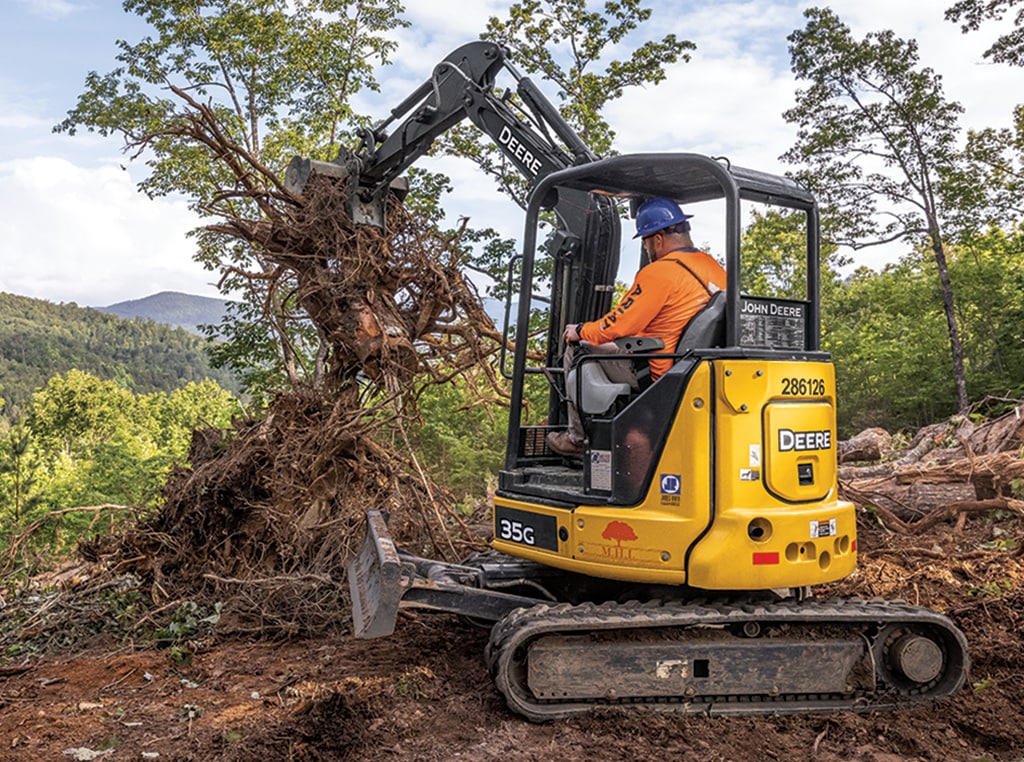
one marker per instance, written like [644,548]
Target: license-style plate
[525,528]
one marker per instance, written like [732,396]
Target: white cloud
[52,9]
[87,235]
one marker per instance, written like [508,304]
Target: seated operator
[666,293]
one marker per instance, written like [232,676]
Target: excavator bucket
[377,581]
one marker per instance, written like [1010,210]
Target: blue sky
[73,228]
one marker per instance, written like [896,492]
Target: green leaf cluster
[90,443]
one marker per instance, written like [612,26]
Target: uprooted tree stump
[267,516]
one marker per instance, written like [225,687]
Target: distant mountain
[39,339]
[171,308]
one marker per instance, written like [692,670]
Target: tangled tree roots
[266,519]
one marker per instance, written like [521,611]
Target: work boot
[563,444]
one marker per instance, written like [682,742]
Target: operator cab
[626,433]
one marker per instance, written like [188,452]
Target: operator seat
[597,393]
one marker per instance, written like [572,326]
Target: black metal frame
[687,178]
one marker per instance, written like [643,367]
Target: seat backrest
[706,328]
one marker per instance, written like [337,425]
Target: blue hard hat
[657,214]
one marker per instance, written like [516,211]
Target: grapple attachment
[366,203]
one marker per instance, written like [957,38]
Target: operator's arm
[634,313]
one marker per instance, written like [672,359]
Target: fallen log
[870,444]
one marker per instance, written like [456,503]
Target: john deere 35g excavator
[672,568]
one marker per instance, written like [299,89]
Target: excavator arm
[536,140]
[531,134]
[461,87]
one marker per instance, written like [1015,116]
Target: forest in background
[97,412]
[889,340]
[890,332]
[40,339]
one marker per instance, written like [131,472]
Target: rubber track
[511,636]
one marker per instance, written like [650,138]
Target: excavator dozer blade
[377,581]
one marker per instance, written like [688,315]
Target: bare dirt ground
[424,693]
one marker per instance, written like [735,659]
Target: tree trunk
[870,444]
[956,349]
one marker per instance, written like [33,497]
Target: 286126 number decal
[803,387]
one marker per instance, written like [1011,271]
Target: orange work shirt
[661,301]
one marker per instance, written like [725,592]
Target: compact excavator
[672,567]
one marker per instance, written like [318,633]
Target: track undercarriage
[650,647]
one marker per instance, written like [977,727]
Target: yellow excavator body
[744,495]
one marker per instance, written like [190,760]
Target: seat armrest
[639,344]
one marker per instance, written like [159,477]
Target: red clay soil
[424,693]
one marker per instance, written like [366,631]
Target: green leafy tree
[876,139]
[89,447]
[774,255]
[1009,47]
[988,267]
[463,433]
[19,467]
[572,46]
[76,411]
[988,189]
[174,416]
[276,77]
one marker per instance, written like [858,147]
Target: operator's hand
[571,335]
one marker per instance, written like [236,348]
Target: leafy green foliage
[988,269]
[886,333]
[774,255]
[89,443]
[463,435]
[883,330]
